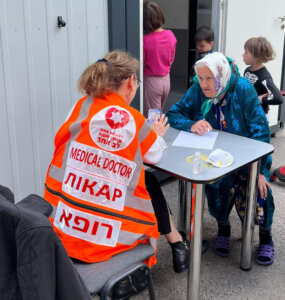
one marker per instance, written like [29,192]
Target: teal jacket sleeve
[256,121]
[185,113]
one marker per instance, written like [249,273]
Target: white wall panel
[39,67]
[59,57]
[6,177]
[13,41]
[98,43]
[78,40]
[260,18]
[35,24]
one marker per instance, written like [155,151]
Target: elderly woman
[222,100]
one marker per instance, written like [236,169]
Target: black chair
[101,277]
[86,279]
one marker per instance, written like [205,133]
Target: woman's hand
[261,96]
[160,127]
[263,185]
[201,127]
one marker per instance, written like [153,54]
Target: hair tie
[104,60]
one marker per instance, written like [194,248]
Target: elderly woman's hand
[263,185]
[160,127]
[201,127]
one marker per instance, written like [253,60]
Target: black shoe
[180,254]
[130,285]
[181,251]
[205,243]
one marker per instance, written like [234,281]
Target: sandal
[265,255]
[222,246]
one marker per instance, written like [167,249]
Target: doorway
[176,15]
[183,17]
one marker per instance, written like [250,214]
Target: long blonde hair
[106,75]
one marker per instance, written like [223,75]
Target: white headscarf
[221,70]
[220,67]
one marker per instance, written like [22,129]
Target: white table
[245,152]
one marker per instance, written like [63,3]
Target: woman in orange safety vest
[96,179]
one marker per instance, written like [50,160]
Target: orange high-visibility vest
[95,181]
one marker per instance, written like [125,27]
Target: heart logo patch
[116,118]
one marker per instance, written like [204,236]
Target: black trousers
[159,203]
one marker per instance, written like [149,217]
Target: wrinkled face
[248,58]
[204,46]
[207,81]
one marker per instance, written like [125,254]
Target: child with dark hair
[258,51]
[204,39]
[158,54]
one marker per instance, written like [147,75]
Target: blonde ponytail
[106,75]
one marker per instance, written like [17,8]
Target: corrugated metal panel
[39,66]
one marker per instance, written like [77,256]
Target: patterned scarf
[221,69]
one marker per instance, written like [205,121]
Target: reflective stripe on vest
[75,127]
[72,222]
[130,200]
[96,209]
[144,131]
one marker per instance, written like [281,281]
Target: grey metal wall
[39,66]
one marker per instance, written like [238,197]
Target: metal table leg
[182,205]
[193,287]
[248,226]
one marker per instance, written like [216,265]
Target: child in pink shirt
[158,54]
